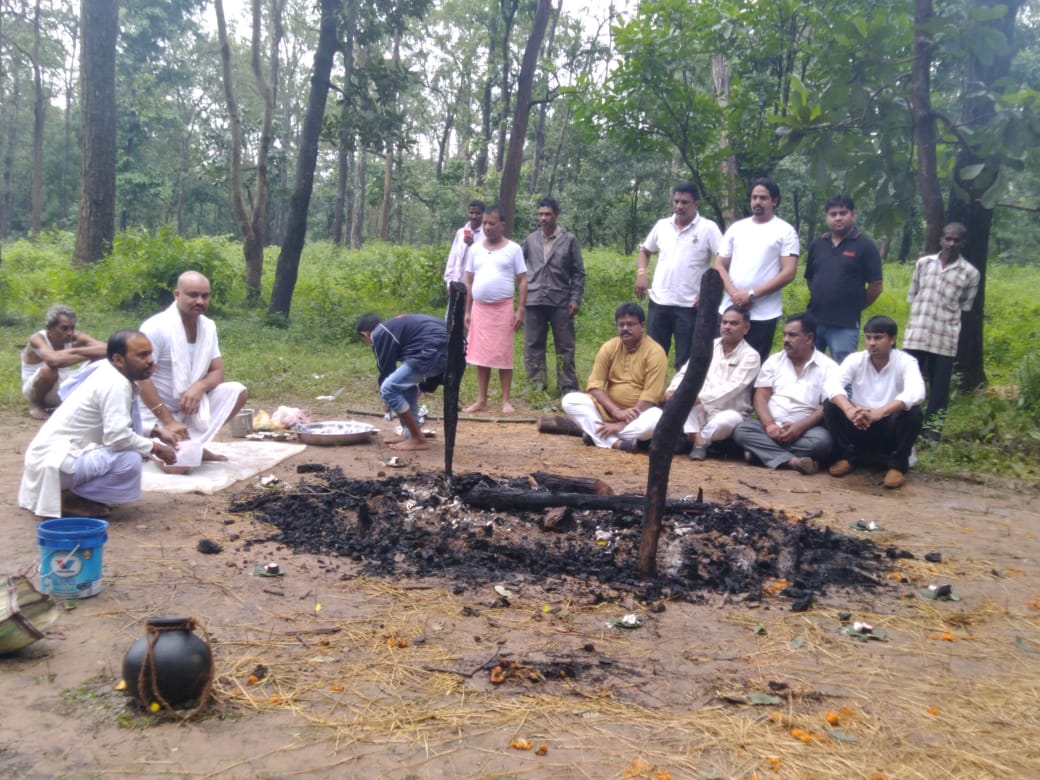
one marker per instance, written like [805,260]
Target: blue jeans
[400,390]
[841,341]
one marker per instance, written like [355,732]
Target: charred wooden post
[456,367]
[558,483]
[558,424]
[504,499]
[676,409]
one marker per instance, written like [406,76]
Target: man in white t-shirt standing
[686,243]
[758,258]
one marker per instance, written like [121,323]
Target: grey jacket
[558,279]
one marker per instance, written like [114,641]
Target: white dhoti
[203,426]
[105,475]
[583,410]
[716,427]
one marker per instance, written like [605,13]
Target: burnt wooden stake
[558,483]
[557,424]
[676,409]
[511,499]
[453,372]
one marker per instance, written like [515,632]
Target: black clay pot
[179,666]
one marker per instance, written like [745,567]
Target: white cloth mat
[245,459]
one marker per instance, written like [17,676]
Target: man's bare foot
[476,406]
[207,455]
[410,445]
[395,440]
[507,408]
[38,412]
[175,469]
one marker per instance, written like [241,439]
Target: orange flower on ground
[932,710]
[252,679]
[832,718]
[774,763]
[520,744]
[542,749]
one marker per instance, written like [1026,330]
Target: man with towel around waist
[88,453]
[187,393]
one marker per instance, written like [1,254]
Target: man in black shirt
[844,277]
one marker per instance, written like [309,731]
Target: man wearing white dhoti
[88,453]
[187,393]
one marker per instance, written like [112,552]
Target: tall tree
[983,160]
[253,225]
[97,201]
[518,134]
[288,267]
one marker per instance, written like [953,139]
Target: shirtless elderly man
[51,356]
[187,393]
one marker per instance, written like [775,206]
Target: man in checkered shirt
[943,286]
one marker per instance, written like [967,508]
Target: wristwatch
[751,297]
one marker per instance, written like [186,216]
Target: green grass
[317,352]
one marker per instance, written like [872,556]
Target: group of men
[808,407]
[167,379]
[155,392]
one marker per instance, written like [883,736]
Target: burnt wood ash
[420,525]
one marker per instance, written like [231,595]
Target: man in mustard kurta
[622,401]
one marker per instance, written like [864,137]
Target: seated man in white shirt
[725,397]
[883,417]
[789,395]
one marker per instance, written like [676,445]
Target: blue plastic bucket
[70,556]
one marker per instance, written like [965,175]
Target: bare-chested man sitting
[53,354]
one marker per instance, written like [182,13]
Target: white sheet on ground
[245,459]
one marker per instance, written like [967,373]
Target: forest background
[314,159]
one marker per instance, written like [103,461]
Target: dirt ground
[389,678]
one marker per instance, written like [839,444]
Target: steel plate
[331,433]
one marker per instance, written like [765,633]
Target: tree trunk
[344,169]
[924,124]
[442,144]
[538,159]
[517,136]
[288,266]
[676,409]
[508,9]
[388,184]
[97,200]
[69,81]
[357,221]
[485,128]
[39,115]
[966,198]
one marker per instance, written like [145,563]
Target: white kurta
[97,414]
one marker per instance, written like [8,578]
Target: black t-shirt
[838,277]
